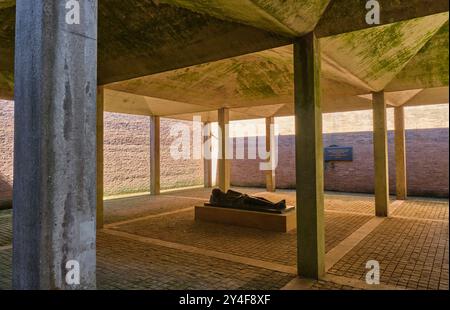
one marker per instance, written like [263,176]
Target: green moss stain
[382,52]
[430,67]
[257,76]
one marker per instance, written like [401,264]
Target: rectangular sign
[338,153]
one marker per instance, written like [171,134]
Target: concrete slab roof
[178,57]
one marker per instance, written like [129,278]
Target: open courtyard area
[151,242]
[221,145]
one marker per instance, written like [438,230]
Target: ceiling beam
[343,16]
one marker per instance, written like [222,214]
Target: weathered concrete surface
[376,55]
[155,155]
[401,187]
[100,155]
[429,68]
[344,16]
[55,162]
[380,152]
[185,38]
[127,48]
[309,158]
[353,65]
[288,17]
[224,163]
[244,218]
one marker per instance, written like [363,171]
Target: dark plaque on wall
[338,153]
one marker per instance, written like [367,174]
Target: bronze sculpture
[236,200]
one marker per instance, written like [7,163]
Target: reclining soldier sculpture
[236,200]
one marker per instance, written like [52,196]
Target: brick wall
[126,150]
[127,157]
[427,163]
[6,148]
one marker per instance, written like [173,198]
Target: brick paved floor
[142,266]
[247,242]
[139,206]
[5,269]
[128,264]
[413,252]
[424,209]
[130,208]
[5,229]
[329,285]
[359,203]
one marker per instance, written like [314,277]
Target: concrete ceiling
[178,57]
[353,65]
[288,17]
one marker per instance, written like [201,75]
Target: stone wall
[427,163]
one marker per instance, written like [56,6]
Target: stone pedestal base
[265,221]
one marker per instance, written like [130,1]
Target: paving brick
[247,242]
[410,252]
[413,253]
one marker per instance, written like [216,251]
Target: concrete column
[270,149]
[400,154]
[207,162]
[155,184]
[224,165]
[380,151]
[309,158]
[54,219]
[100,192]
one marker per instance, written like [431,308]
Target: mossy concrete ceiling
[142,42]
[139,38]
[429,68]
[376,56]
[353,65]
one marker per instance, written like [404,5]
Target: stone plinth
[252,219]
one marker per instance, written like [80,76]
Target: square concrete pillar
[224,165]
[400,154]
[270,149]
[100,155]
[380,151]
[207,162]
[54,222]
[155,153]
[309,158]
